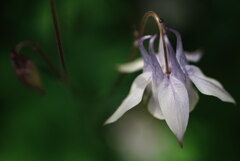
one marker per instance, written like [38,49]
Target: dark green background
[97,35]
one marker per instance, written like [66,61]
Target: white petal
[153,105]
[193,56]
[130,67]
[174,102]
[154,109]
[193,95]
[134,97]
[208,86]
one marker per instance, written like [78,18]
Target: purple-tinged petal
[193,95]
[132,66]
[193,56]
[146,57]
[134,97]
[156,68]
[153,105]
[174,103]
[177,71]
[175,67]
[179,50]
[208,86]
[154,109]
[160,54]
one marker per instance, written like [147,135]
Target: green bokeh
[97,35]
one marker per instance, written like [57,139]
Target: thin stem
[38,49]
[159,22]
[58,36]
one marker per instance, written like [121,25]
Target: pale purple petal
[160,54]
[155,64]
[174,103]
[156,68]
[176,69]
[193,95]
[154,109]
[132,66]
[144,53]
[194,56]
[134,97]
[179,50]
[153,105]
[208,86]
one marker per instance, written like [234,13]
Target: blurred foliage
[97,35]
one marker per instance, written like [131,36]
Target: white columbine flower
[170,78]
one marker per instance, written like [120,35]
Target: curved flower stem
[58,36]
[159,22]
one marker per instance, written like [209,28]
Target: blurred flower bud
[26,71]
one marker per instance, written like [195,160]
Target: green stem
[58,36]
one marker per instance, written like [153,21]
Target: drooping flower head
[169,76]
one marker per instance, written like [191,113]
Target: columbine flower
[170,78]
